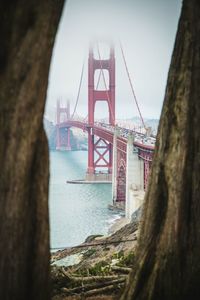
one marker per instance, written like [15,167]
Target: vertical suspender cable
[112,114]
[97,85]
[79,89]
[98,81]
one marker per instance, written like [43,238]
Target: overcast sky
[147,31]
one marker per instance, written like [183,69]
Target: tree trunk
[168,253]
[27,31]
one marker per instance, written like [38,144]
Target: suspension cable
[79,89]
[132,89]
[109,103]
[98,81]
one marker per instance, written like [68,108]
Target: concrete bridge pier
[114,166]
[134,179]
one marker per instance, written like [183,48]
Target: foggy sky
[147,31]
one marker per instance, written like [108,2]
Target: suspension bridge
[115,154]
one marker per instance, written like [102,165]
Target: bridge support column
[129,176]
[63,139]
[57,137]
[114,167]
[147,167]
[63,132]
[119,174]
[68,140]
[110,147]
[146,158]
[90,170]
[134,192]
[141,168]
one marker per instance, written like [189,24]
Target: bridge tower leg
[99,150]
[62,131]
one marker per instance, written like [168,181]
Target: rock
[92,237]
[136,216]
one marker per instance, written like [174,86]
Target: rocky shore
[97,268]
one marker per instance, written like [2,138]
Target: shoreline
[115,224]
[83,181]
[118,224]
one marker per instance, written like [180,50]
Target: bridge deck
[106,132]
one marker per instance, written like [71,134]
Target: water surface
[76,210]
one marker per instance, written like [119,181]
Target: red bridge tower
[99,150]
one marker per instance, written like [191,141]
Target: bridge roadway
[144,145]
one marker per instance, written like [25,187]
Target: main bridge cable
[132,89]
[79,89]
[108,96]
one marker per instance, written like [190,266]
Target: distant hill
[153,123]
[136,121]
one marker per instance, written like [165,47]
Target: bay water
[76,210]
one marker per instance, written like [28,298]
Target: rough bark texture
[168,254]
[27,31]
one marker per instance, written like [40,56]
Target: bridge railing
[125,132]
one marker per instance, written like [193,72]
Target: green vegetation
[101,268]
[124,260]
[127,261]
[118,255]
[89,253]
